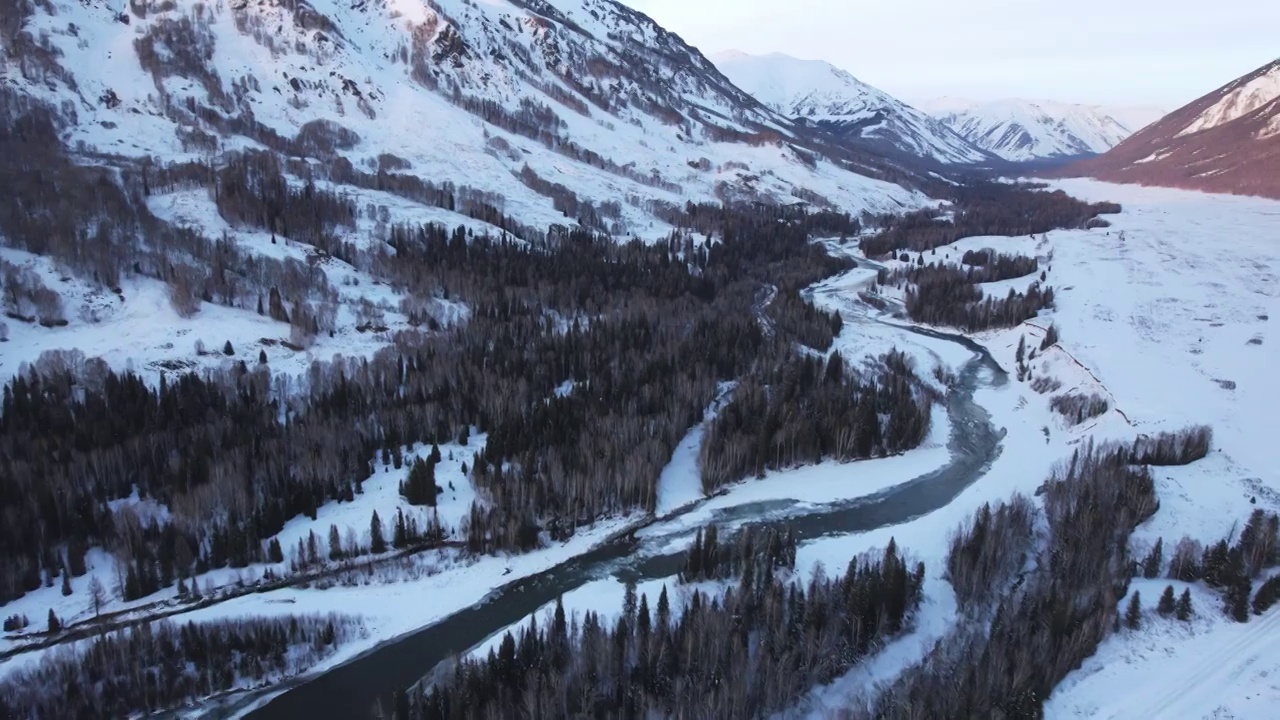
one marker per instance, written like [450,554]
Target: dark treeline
[940,294]
[1077,408]
[1044,624]
[988,550]
[810,409]
[753,552]
[988,266]
[1173,448]
[164,665]
[987,208]
[749,653]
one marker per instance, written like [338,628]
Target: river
[354,688]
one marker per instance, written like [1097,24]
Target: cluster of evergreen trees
[806,409]
[940,294]
[751,652]
[754,552]
[155,667]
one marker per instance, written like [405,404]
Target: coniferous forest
[165,665]
[647,332]
[748,652]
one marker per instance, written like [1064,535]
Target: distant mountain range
[947,130]
[819,93]
[1227,141]
[1020,130]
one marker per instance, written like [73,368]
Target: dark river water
[354,689]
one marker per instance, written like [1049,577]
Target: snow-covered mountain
[588,94]
[1021,130]
[1226,141]
[820,93]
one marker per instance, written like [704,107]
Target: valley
[441,359]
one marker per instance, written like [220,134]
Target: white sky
[1115,52]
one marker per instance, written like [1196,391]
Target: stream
[355,688]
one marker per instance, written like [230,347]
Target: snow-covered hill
[587,93]
[1020,130]
[820,93]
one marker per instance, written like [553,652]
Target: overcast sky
[1118,52]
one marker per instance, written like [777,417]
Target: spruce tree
[377,543]
[55,625]
[1167,602]
[1183,611]
[1154,560]
[274,553]
[335,543]
[1237,599]
[1133,615]
[1266,595]
[66,581]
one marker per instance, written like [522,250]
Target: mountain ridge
[1228,140]
[1018,129]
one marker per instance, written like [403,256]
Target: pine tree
[1183,611]
[378,545]
[399,536]
[335,543]
[1133,615]
[66,581]
[1022,349]
[1050,337]
[629,600]
[274,553]
[435,453]
[228,350]
[55,625]
[1167,603]
[262,357]
[1154,560]
[1266,595]
[1237,599]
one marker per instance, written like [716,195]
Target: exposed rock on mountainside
[592,97]
[821,94]
[1227,141]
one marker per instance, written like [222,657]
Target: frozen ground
[1211,667]
[1153,322]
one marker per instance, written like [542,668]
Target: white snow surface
[1240,98]
[819,91]
[1017,129]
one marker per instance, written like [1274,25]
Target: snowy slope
[821,93]
[1239,99]
[587,93]
[1020,130]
